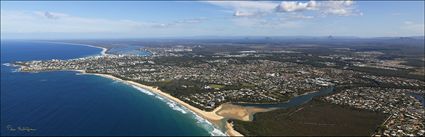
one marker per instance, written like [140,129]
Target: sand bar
[239,112]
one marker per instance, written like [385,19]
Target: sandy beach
[217,115]
[210,116]
[232,132]
[102,53]
[239,112]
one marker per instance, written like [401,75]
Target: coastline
[242,113]
[102,53]
[231,131]
[211,116]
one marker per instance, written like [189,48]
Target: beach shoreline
[102,53]
[231,131]
[210,116]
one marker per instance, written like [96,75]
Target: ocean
[69,103]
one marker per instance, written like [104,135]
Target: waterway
[293,102]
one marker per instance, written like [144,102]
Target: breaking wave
[173,105]
[143,90]
[213,131]
[176,107]
[7,64]
[217,132]
[205,124]
[11,65]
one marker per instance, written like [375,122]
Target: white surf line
[174,105]
[171,103]
[177,107]
[205,124]
[103,52]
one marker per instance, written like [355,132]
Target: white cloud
[252,8]
[51,22]
[246,8]
[244,14]
[50,15]
[179,23]
[291,6]
[276,23]
[301,17]
[341,8]
[54,22]
[162,25]
[191,21]
[264,13]
[408,22]
[285,13]
[246,5]
[413,27]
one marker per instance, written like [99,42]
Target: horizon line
[220,37]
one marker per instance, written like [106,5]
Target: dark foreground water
[66,103]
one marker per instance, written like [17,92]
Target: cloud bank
[51,22]
[285,14]
[251,8]
[54,22]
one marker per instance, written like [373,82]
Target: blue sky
[144,19]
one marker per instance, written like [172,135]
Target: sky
[149,19]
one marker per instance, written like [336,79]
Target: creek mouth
[293,102]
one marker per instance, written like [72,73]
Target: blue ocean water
[67,103]
[129,50]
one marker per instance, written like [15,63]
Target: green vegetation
[314,118]
[415,62]
[180,87]
[390,73]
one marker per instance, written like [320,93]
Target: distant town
[377,76]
